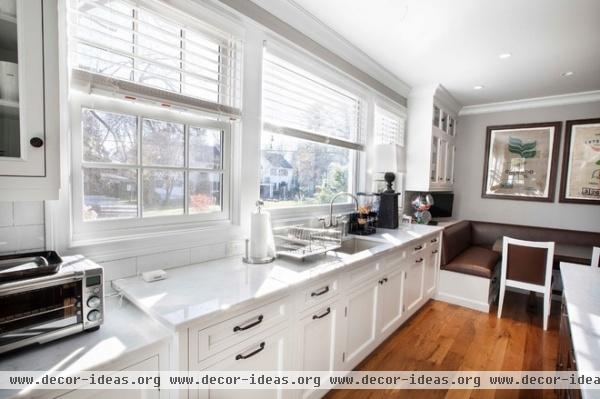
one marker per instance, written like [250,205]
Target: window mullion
[186,173]
[140,169]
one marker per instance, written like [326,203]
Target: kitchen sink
[355,245]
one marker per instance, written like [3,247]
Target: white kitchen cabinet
[413,282]
[361,322]
[390,301]
[270,352]
[319,342]
[29,112]
[431,142]
[430,274]
[149,364]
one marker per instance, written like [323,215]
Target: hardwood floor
[448,337]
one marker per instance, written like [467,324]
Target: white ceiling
[457,43]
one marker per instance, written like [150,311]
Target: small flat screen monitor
[442,205]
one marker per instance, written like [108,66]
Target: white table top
[582,292]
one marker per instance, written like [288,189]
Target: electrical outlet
[235,247]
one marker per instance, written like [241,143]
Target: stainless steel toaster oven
[43,298]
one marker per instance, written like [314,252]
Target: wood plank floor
[448,337]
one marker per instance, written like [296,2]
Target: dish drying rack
[298,242]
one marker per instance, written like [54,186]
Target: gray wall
[470,154]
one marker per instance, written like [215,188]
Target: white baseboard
[461,301]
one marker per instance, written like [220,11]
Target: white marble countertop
[126,329]
[194,292]
[583,304]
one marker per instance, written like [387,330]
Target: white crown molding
[299,18]
[537,102]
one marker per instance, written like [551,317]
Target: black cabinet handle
[319,293]
[260,348]
[435,251]
[257,322]
[322,315]
[419,260]
[383,280]
[434,240]
[36,142]
[420,247]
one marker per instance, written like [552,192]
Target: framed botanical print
[521,161]
[580,181]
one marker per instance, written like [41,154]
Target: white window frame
[329,74]
[113,228]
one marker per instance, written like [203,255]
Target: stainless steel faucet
[333,222]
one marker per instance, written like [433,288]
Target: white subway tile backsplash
[206,253]
[21,226]
[164,260]
[6,214]
[8,240]
[29,237]
[28,213]
[119,268]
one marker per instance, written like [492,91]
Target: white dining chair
[596,257]
[527,265]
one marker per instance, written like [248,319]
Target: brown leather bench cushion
[456,239]
[476,261]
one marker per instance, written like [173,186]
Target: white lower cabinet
[145,365]
[333,324]
[430,276]
[318,342]
[269,352]
[413,283]
[361,322]
[390,301]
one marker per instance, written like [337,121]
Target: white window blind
[148,50]
[298,103]
[389,127]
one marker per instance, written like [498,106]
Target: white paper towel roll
[261,235]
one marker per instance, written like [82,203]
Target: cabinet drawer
[433,249]
[364,271]
[211,340]
[318,293]
[394,260]
[418,247]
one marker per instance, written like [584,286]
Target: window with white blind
[146,49]
[312,132]
[389,126]
[153,95]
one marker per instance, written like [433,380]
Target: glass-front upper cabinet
[22,129]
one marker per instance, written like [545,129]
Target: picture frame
[521,161]
[580,178]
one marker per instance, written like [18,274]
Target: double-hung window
[390,125]
[312,131]
[153,96]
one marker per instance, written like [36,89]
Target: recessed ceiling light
[568,73]
[504,55]
[478,87]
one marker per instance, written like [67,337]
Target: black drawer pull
[322,315]
[419,260]
[319,293]
[260,348]
[420,247]
[257,322]
[435,251]
[434,240]
[383,280]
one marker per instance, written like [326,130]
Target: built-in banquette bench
[470,267]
